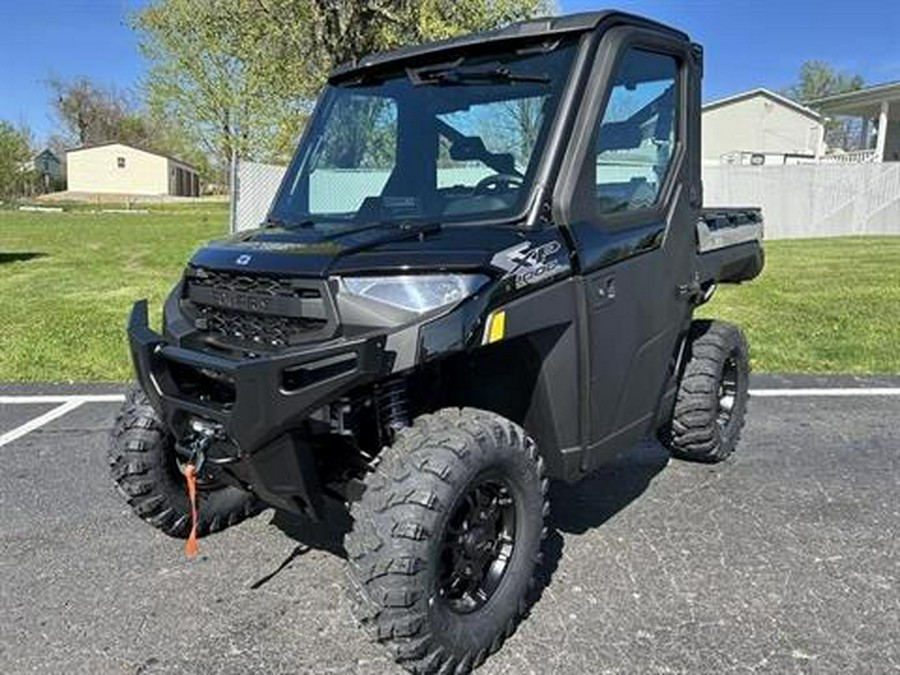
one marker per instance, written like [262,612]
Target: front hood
[309,252]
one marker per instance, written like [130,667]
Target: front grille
[258,310]
[276,331]
[260,284]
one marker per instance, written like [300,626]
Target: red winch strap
[191,547]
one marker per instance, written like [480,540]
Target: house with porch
[760,127]
[836,192]
[878,109]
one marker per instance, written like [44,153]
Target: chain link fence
[255,185]
[330,190]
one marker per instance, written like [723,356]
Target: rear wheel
[446,539]
[144,467]
[712,395]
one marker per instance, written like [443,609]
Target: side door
[629,196]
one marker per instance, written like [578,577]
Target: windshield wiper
[454,75]
[393,231]
[273,221]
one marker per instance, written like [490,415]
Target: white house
[116,168]
[878,109]
[760,127]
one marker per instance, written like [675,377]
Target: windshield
[450,142]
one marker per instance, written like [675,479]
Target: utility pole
[233,180]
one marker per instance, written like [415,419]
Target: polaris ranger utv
[479,273]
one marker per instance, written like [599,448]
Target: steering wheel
[498,182]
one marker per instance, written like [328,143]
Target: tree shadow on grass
[20,256]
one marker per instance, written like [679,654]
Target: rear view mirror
[472,148]
[467,149]
[619,136]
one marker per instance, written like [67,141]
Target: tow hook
[202,436]
[193,449]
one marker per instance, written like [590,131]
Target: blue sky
[749,43]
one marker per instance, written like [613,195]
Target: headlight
[416,293]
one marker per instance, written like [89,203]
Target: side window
[637,134]
[356,156]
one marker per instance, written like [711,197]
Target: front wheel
[712,395]
[144,468]
[446,539]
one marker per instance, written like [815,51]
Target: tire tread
[693,433]
[394,522]
[137,455]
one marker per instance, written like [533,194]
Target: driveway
[784,559]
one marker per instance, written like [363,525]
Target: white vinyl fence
[807,200]
[812,200]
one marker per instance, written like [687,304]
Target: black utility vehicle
[478,274]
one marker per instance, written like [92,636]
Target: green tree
[243,73]
[15,151]
[88,114]
[817,80]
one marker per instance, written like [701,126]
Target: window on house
[636,139]
[120,162]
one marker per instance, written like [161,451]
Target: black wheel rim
[478,546]
[728,392]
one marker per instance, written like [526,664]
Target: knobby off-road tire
[712,396]
[144,468]
[405,545]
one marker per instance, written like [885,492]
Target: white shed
[116,168]
[760,127]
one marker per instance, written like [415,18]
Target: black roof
[532,29]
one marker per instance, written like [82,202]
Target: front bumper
[267,399]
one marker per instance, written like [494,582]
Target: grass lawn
[67,281]
[63,312]
[821,306]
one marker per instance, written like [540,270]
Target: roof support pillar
[882,131]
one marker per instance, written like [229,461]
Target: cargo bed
[729,244]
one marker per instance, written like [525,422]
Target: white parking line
[62,398]
[825,391]
[69,402]
[39,421]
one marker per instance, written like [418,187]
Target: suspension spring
[393,406]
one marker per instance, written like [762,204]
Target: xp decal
[529,264]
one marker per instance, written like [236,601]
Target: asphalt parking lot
[784,559]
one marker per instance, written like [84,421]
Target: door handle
[605,291]
[692,289]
